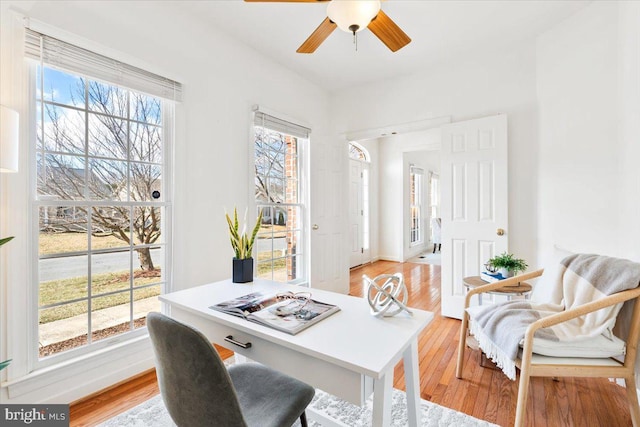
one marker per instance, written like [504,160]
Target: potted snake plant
[242,245]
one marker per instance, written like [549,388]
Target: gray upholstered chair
[198,390]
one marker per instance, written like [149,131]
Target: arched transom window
[358,152]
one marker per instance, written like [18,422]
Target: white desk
[349,354]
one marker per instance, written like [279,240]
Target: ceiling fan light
[353,15]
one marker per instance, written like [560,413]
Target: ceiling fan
[351,16]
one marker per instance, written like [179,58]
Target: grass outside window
[55,291]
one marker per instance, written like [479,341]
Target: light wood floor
[483,393]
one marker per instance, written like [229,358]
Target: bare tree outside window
[270,149]
[277,193]
[99,197]
[106,177]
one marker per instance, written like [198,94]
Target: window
[101,203]
[415,202]
[434,198]
[279,192]
[357,152]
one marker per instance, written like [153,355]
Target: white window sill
[74,378]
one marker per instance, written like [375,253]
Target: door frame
[364,206]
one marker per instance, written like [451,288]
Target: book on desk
[286,312]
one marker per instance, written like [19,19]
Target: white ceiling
[441,31]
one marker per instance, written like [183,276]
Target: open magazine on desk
[287,312]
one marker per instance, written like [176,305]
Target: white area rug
[426,258]
[152,413]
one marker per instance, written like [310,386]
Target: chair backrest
[546,289]
[628,328]
[194,383]
[436,224]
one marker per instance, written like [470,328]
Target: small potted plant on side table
[507,264]
[242,247]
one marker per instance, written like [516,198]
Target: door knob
[315,227]
[500,232]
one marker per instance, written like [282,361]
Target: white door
[358,213]
[474,202]
[328,243]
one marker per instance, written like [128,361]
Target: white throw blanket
[500,328]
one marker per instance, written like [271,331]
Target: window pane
[62,88]
[267,218]
[280,269]
[264,269]
[146,142]
[291,190]
[62,328]
[270,156]
[294,268]
[147,227]
[110,272]
[145,300]
[294,243]
[60,177]
[107,180]
[107,137]
[294,218]
[268,248]
[110,227]
[62,229]
[145,108]
[110,315]
[152,272]
[63,129]
[272,190]
[107,99]
[146,182]
[62,285]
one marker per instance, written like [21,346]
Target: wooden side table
[472,282]
[521,289]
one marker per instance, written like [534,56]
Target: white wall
[477,86]
[629,130]
[589,97]
[581,183]
[222,79]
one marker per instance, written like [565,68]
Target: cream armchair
[532,363]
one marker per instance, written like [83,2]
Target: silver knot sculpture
[387,294]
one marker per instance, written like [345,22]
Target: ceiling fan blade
[285,1]
[388,32]
[317,37]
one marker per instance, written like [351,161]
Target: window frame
[35,362]
[303,147]
[416,206]
[434,208]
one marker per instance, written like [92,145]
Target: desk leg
[382,389]
[412,380]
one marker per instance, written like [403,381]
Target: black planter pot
[242,270]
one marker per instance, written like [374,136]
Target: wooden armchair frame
[533,365]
